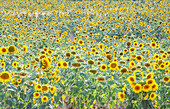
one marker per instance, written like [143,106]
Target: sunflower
[137,88]
[166,79]
[81,42]
[103,67]
[52,89]
[124,70]
[3,64]
[49,52]
[15,64]
[100,46]
[25,48]
[59,64]
[154,86]
[147,88]
[113,65]
[11,49]
[57,79]
[150,81]
[162,66]
[141,46]
[132,49]
[72,48]
[5,76]
[125,50]
[131,79]
[44,88]
[139,58]
[93,50]
[64,65]
[44,99]
[153,44]
[150,75]
[121,96]
[152,96]
[45,63]
[3,50]
[19,80]
[68,55]
[38,87]
[131,63]
[36,94]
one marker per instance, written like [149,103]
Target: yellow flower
[5,76]
[3,64]
[154,86]
[139,58]
[19,80]
[150,81]
[113,65]
[131,79]
[52,89]
[137,88]
[25,48]
[81,42]
[103,67]
[146,97]
[121,96]
[36,94]
[166,79]
[3,50]
[152,96]
[44,99]
[15,64]
[64,65]
[57,79]
[11,49]
[147,88]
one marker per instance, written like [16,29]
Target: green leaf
[9,102]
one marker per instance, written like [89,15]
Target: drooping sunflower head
[11,49]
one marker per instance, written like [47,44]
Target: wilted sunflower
[11,49]
[137,88]
[166,79]
[5,76]
[44,88]
[152,96]
[124,70]
[77,65]
[44,99]
[3,50]
[36,94]
[139,58]
[147,64]
[91,62]
[121,96]
[103,67]
[100,79]
[68,55]
[147,88]
[109,57]
[93,71]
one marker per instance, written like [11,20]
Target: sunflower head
[121,96]
[5,76]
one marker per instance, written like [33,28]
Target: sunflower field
[84,54]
